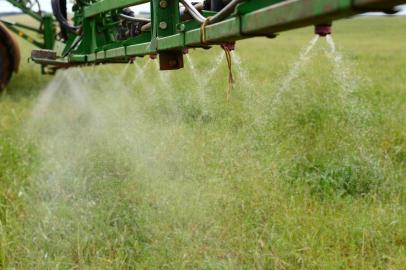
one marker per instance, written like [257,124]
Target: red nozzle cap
[185,50]
[230,46]
[152,56]
[323,29]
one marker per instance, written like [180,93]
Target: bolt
[163,25]
[163,4]
[181,27]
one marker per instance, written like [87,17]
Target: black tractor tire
[9,56]
[6,69]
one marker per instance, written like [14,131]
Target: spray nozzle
[230,46]
[323,29]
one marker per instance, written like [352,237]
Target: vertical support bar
[49,32]
[166,17]
[89,42]
[154,5]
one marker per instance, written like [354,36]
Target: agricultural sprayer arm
[105,31]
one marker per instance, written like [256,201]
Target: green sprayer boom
[108,31]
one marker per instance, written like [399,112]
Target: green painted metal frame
[251,18]
[45,27]
[15,27]
[20,5]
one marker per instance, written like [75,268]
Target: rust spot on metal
[172,59]
[43,54]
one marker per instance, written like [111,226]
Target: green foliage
[152,171]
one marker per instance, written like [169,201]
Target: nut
[163,4]
[163,25]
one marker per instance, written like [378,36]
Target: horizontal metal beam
[283,16]
[25,36]
[21,25]
[378,3]
[292,14]
[276,18]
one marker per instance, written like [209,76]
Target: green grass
[144,175]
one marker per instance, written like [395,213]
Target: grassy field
[115,168]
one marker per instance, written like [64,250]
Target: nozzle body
[230,46]
[322,29]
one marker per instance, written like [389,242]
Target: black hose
[225,12]
[193,11]
[216,5]
[61,16]
[222,14]
[134,19]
